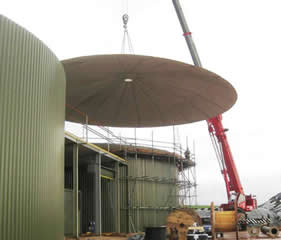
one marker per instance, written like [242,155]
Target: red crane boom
[218,137]
[228,168]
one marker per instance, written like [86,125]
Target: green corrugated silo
[32,102]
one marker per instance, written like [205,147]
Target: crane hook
[125,20]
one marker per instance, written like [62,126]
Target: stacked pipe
[272,232]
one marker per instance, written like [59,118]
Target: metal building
[152,179]
[92,187]
[32,106]
[153,185]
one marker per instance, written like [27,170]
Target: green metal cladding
[152,192]
[32,107]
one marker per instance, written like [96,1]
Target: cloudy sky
[237,39]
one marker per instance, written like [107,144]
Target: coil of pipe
[253,231]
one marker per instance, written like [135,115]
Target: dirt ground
[244,235]
[99,238]
[227,236]
[104,237]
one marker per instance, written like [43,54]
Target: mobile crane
[228,169]
[219,138]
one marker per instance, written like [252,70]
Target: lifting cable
[218,149]
[126,36]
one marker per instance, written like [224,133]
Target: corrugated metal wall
[124,201]
[86,186]
[152,190]
[68,212]
[108,204]
[147,195]
[32,106]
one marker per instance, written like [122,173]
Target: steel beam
[187,34]
[94,147]
[75,191]
[97,193]
[117,196]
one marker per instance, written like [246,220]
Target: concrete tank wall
[32,107]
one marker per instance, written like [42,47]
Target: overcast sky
[238,39]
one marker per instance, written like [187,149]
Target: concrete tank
[32,106]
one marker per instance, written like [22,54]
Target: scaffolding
[190,176]
[176,185]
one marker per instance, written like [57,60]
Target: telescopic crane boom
[218,136]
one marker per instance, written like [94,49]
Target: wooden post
[213,220]
[236,219]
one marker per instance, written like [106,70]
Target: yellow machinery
[225,221]
[197,232]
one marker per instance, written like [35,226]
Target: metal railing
[92,132]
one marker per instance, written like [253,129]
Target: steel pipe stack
[271,231]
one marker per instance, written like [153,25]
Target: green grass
[198,206]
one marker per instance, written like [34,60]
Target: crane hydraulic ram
[219,138]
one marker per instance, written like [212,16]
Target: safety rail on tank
[181,184]
[93,132]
